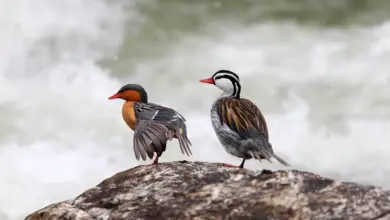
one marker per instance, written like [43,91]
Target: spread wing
[243,117]
[151,111]
[155,125]
[149,137]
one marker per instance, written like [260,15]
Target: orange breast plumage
[128,114]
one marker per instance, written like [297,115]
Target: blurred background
[317,69]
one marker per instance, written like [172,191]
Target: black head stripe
[237,89]
[235,83]
[226,72]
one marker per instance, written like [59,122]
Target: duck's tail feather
[264,150]
[281,160]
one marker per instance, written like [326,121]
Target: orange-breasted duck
[153,124]
[238,122]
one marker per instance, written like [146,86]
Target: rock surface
[199,190]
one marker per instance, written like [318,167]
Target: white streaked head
[227,81]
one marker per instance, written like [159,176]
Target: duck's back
[241,116]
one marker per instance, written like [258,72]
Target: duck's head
[131,92]
[227,81]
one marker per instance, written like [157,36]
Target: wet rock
[200,190]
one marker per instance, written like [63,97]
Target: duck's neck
[231,94]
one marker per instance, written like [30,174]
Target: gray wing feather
[179,130]
[141,146]
[148,147]
[153,133]
[136,148]
[149,137]
[161,124]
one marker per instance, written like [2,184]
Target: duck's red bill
[208,81]
[114,96]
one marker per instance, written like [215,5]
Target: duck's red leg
[155,161]
[232,166]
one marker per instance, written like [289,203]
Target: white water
[325,95]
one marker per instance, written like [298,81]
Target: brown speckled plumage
[242,116]
[238,122]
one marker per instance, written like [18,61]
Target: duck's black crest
[138,88]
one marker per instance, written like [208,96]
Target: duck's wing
[149,137]
[164,121]
[151,111]
[243,117]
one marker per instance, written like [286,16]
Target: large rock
[198,190]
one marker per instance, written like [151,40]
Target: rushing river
[319,71]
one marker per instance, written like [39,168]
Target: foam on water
[324,93]
[52,91]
